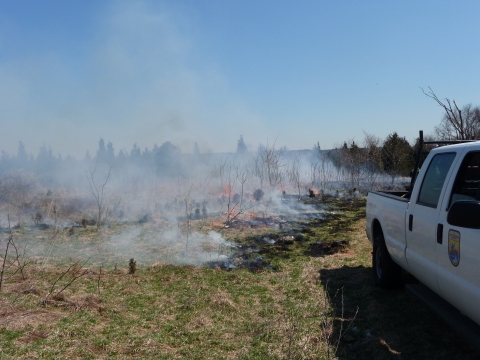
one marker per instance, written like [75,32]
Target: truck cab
[434,233]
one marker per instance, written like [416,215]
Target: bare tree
[232,200]
[457,124]
[234,179]
[351,161]
[294,175]
[98,190]
[326,171]
[471,121]
[258,169]
[271,165]
[243,175]
[188,216]
[224,172]
[313,172]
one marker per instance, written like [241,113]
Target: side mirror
[464,213]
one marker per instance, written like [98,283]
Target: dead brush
[13,261]
[74,272]
[70,230]
[37,218]
[132,266]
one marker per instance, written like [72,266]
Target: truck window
[434,178]
[466,185]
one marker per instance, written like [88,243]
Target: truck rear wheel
[386,273]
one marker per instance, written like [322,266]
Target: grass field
[305,299]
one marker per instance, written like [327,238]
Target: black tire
[386,273]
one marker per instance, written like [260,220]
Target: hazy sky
[185,71]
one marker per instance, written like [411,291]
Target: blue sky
[291,73]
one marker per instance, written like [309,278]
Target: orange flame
[227,190]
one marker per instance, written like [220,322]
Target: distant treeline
[166,160]
[160,157]
[358,162]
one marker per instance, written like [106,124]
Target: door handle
[410,222]
[440,233]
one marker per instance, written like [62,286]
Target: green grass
[167,311]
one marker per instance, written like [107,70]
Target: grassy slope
[169,312]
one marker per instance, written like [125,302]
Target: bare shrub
[97,184]
[269,166]
[73,272]
[13,259]
[258,194]
[350,160]
[294,174]
[38,218]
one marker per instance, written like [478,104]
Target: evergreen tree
[397,156]
[45,162]
[110,153]
[241,147]
[122,158]
[101,152]
[147,158]
[6,163]
[135,154]
[168,160]
[22,156]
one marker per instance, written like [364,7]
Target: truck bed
[389,208]
[404,195]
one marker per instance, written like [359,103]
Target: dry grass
[164,311]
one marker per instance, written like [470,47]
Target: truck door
[422,216]
[458,248]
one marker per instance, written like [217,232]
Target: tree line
[360,163]
[394,155]
[162,158]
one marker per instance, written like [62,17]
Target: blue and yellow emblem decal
[454,247]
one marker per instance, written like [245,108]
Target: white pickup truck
[434,231]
